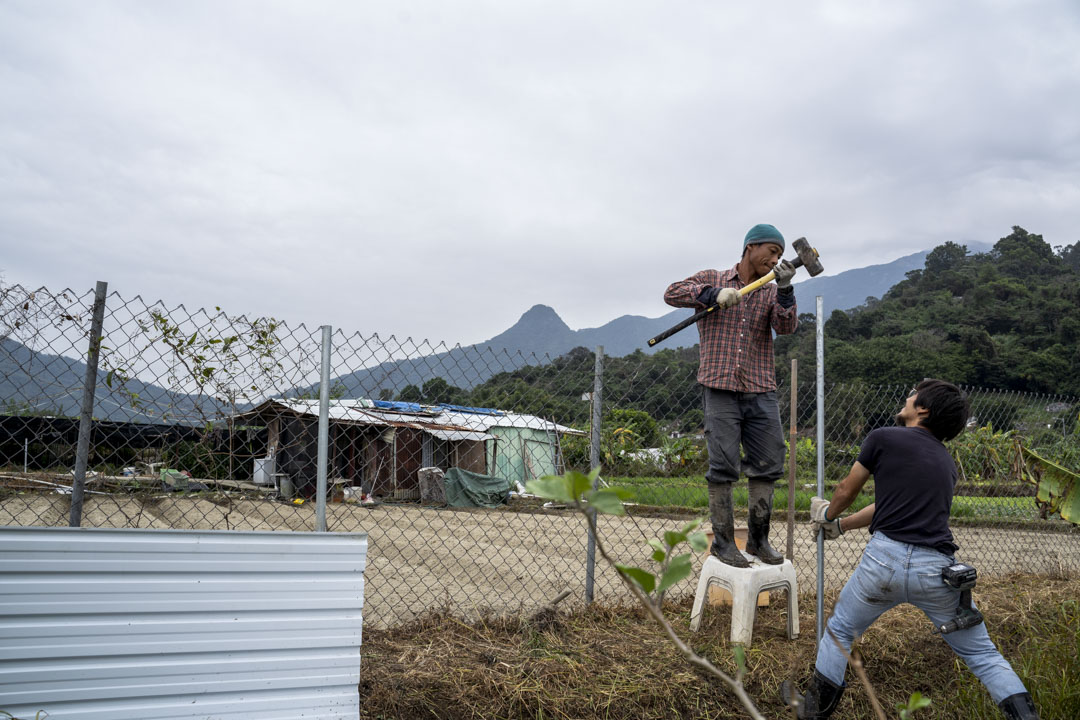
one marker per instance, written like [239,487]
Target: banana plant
[1057,489]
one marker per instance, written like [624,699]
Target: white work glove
[819,508]
[783,273]
[728,297]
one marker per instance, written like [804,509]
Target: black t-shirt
[914,479]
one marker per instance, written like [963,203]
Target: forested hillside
[1005,319]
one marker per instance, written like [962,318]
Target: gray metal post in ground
[86,417]
[594,462]
[791,459]
[324,431]
[820,335]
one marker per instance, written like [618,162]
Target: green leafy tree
[1070,255]
[945,257]
[411,393]
[337,392]
[437,390]
[633,429]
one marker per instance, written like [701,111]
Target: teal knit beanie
[764,233]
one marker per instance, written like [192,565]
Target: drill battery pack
[959,576]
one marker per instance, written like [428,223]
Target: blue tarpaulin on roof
[474,410]
[399,405]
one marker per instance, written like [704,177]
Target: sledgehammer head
[808,257]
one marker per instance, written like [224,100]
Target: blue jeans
[751,420]
[891,573]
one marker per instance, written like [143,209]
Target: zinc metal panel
[456,435]
[134,624]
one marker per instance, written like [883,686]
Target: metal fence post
[594,462]
[324,431]
[820,344]
[794,406]
[86,417]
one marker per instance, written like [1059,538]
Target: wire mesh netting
[206,420]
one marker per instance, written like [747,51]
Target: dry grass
[614,663]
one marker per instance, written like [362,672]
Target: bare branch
[856,663]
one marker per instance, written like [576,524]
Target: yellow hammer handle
[757,283]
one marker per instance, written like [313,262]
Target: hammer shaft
[702,313]
[745,290]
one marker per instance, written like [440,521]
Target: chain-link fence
[199,419]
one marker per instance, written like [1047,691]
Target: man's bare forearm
[847,490]
[859,519]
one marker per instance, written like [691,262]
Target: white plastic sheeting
[100,624]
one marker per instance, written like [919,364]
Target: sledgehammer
[807,257]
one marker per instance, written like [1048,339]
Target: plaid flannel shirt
[736,349]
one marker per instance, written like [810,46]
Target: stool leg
[699,601]
[792,611]
[743,610]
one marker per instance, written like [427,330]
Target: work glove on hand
[784,271]
[719,296]
[728,297]
[819,509]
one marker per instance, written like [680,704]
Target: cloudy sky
[433,169]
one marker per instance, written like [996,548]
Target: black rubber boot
[820,700]
[757,540]
[1019,707]
[723,526]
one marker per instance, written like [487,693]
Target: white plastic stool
[744,584]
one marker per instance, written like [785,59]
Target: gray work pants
[751,420]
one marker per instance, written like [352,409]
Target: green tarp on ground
[469,489]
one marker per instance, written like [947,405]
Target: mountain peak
[539,330]
[540,310]
[541,317]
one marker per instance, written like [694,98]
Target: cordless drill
[962,577]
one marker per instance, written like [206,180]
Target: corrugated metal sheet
[456,435]
[128,624]
[506,420]
[360,411]
[338,408]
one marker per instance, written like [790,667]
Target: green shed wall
[522,454]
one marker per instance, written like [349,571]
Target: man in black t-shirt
[914,478]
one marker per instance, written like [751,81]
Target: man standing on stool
[738,379]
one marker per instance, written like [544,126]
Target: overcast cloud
[433,169]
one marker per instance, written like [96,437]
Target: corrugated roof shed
[430,418]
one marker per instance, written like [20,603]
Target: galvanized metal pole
[86,417]
[594,462]
[820,335]
[791,459]
[324,432]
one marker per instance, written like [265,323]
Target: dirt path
[476,560]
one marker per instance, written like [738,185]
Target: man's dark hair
[948,406]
